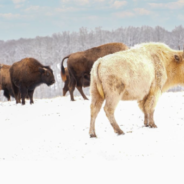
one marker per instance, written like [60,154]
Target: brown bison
[80,63]
[26,75]
[5,82]
[142,73]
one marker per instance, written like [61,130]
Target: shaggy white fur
[141,73]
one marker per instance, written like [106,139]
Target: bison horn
[42,70]
[45,69]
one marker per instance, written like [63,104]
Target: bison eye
[47,73]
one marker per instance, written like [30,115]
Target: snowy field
[48,142]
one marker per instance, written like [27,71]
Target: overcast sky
[31,18]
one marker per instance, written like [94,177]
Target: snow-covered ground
[52,136]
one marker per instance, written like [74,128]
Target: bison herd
[21,79]
[79,64]
[113,71]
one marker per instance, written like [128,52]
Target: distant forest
[50,50]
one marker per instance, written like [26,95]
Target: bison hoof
[146,123]
[120,132]
[153,126]
[92,135]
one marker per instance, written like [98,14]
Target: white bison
[142,73]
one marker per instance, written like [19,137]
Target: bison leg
[81,92]
[71,83]
[30,94]
[16,93]
[71,90]
[65,88]
[146,120]
[149,106]
[64,91]
[151,121]
[109,109]
[7,94]
[19,97]
[95,108]
[23,92]
[96,104]
[146,116]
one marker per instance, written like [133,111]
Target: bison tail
[97,79]
[63,73]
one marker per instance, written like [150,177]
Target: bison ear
[41,70]
[177,58]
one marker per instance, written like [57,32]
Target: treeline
[51,49]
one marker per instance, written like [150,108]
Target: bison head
[47,75]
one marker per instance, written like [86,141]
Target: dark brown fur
[26,75]
[80,63]
[65,78]
[5,82]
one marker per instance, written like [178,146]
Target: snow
[48,142]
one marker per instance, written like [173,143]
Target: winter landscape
[48,142]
